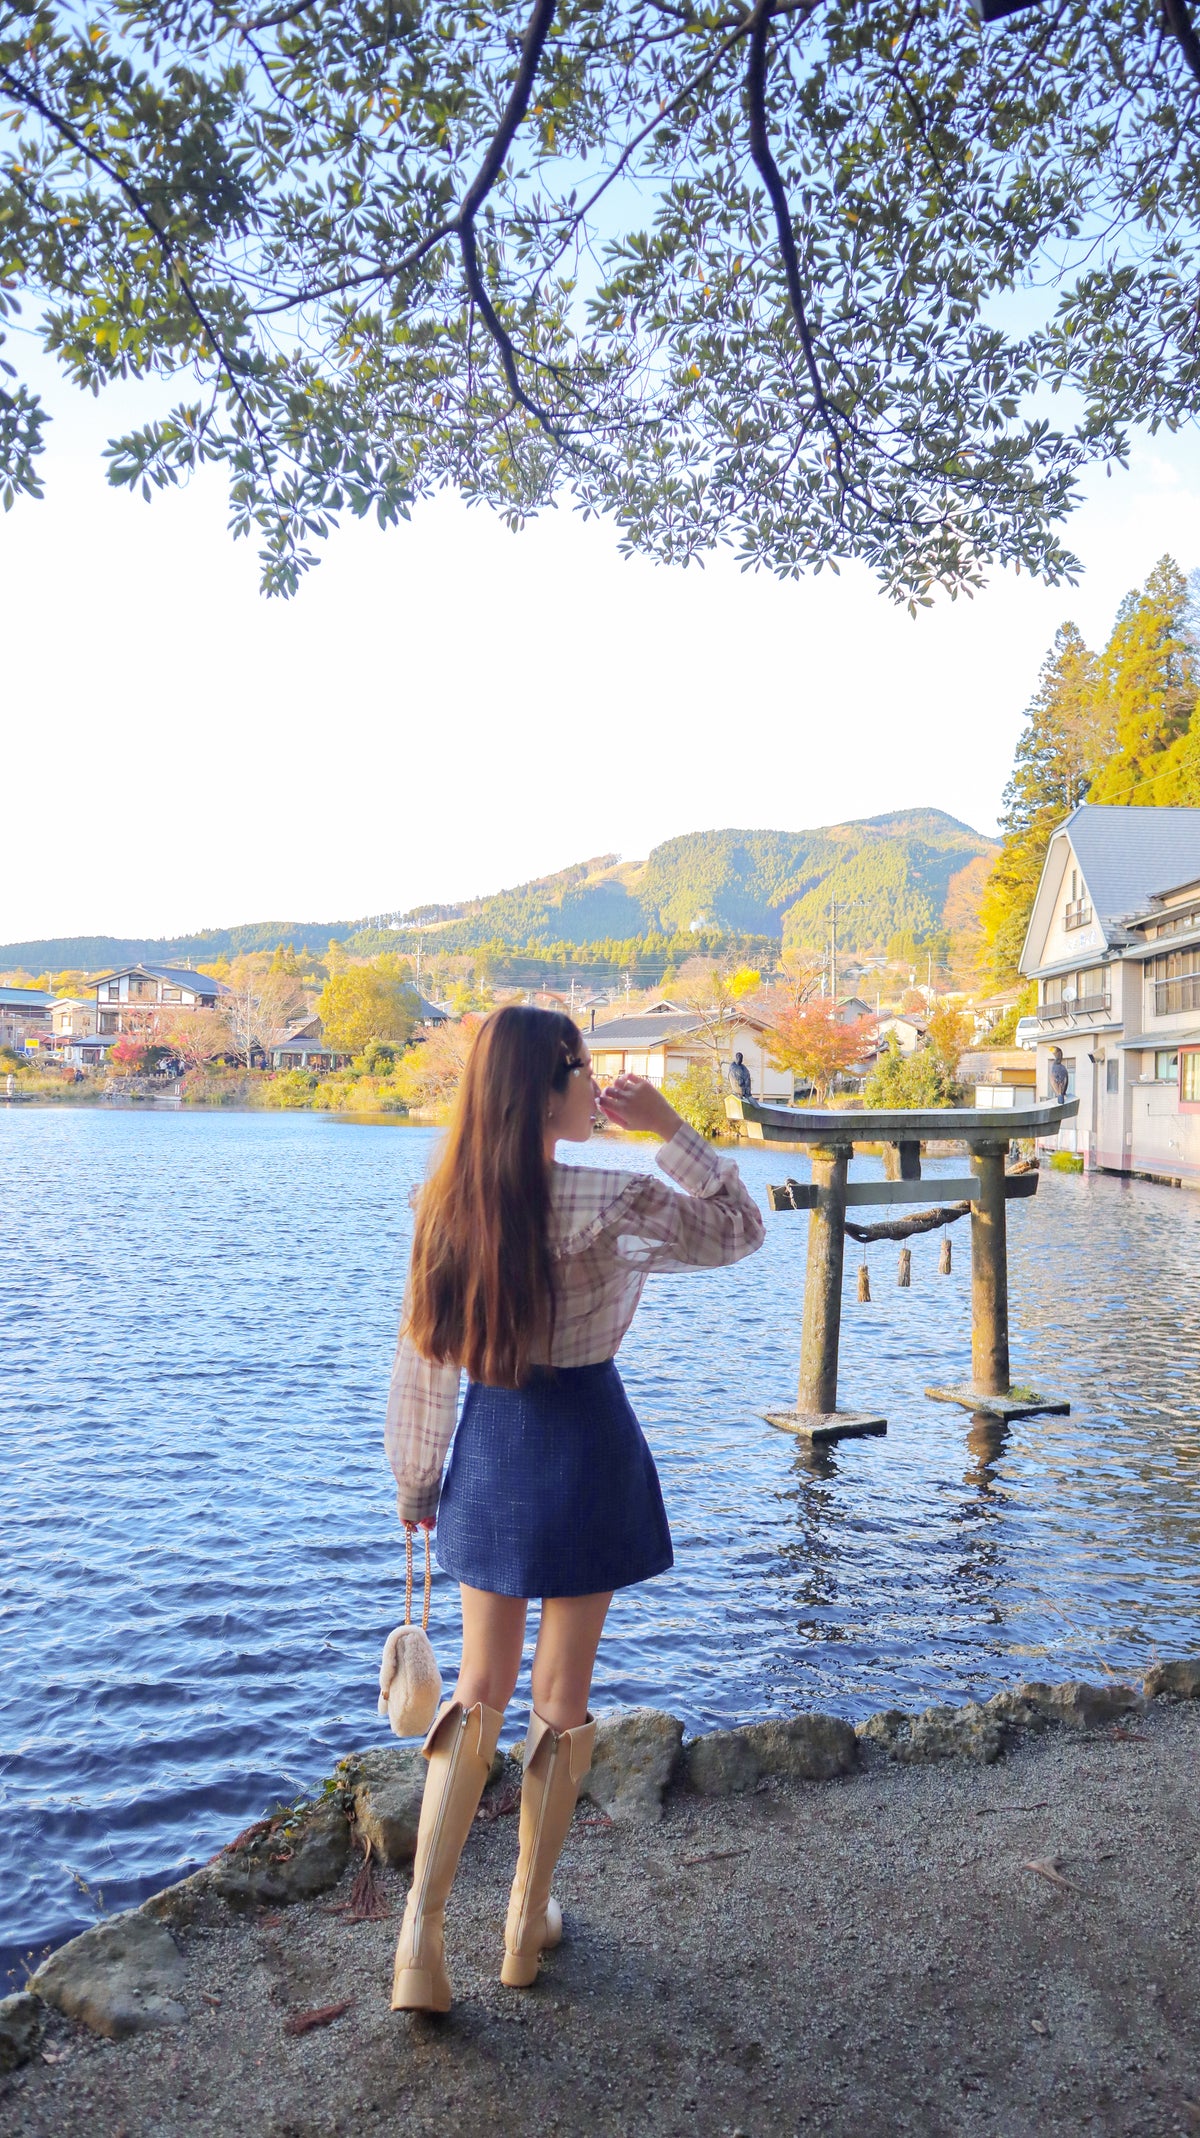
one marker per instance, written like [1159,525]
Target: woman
[527,1273]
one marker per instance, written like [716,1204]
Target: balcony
[1078,914]
[1080,1006]
[1173,995]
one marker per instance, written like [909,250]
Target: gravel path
[873,1955]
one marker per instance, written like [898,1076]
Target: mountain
[890,875]
[912,871]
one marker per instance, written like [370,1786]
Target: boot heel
[519,1970]
[414,1990]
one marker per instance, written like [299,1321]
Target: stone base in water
[1017,1403]
[826,1425]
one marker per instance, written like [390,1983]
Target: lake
[200,1552]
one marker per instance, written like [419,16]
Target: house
[665,1041]
[124,998]
[301,1046]
[1114,945]
[909,1031]
[991,1010]
[74,1037]
[71,1017]
[852,1010]
[24,1016]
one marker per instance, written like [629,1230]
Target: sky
[448,708]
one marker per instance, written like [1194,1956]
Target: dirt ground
[876,1955]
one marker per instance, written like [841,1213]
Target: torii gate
[831,1137]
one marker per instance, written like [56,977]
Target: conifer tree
[1057,757]
[1150,682]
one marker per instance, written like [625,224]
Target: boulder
[120,1978]
[637,1752]
[386,1795]
[1180,1680]
[20,2029]
[293,1860]
[967,1732]
[1034,1704]
[803,1748]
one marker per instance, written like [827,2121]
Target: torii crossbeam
[830,1138]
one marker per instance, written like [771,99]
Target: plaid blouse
[608,1231]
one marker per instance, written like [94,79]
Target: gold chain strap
[408,1579]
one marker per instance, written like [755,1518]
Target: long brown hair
[480,1290]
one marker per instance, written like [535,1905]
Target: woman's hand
[634,1103]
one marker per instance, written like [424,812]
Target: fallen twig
[304,2022]
[992,1811]
[507,1800]
[717,1855]
[1055,1878]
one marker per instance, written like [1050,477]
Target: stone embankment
[828,1882]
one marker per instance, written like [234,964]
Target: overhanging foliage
[728,274]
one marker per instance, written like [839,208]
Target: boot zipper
[419,1910]
[551,1763]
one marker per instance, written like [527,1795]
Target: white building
[1114,945]
[664,1041]
[124,998]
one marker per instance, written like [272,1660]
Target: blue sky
[448,708]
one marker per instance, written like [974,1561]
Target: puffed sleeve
[715,1221]
[422,1409]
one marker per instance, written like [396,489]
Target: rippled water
[200,1557]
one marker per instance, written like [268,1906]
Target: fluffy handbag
[410,1683]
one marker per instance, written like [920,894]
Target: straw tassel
[904,1273]
[945,1263]
[864,1285]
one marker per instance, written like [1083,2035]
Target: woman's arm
[422,1409]
[716,1220]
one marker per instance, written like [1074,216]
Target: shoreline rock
[124,1975]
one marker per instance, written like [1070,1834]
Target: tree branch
[1181,26]
[532,44]
[162,238]
[768,171]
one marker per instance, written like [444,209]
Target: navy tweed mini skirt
[552,1490]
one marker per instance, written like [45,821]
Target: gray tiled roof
[24,998]
[174,975]
[1129,856]
[648,1031]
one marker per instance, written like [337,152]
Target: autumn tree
[1059,752]
[430,1073]
[812,1043]
[950,1034]
[259,1005]
[365,1002]
[730,276]
[198,1037]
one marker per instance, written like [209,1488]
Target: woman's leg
[493,1638]
[459,1749]
[558,1753]
[565,1657]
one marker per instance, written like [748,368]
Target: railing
[1078,914]
[1083,1006]
[1170,995]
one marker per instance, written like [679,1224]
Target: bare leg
[493,1637]
[565,1657]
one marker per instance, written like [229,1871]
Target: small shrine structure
[984,1193]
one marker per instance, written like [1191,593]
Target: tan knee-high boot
[555,1765]
[460,1748]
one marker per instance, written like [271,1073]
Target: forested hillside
[1118,727]
[896,874]
[913,874]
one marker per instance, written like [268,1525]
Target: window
[1176,977]
[1189,1077]
[172,994]
[1166,1065]
[1112,1077]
